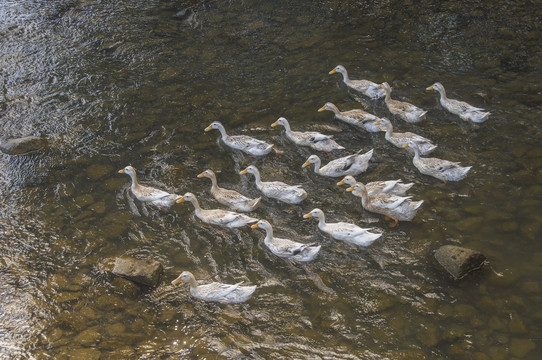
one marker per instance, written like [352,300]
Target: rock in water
[22,146]
[147,272]
[459,261]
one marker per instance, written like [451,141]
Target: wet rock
[84,354]
[459,261]
[98,171]
[125,287]
[88,337]
[115,329]
[22,146]
[147,272]
[109,302]
[521,347]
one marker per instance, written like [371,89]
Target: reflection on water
[137,82]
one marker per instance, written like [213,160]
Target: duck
[230,198]
[395,187]
[215,291]
[353,164]
[285,248]
[229,219]
[291,194]
[366,87]
[425,145]
[349,233]
[149,194]
[443,170]
[406,111]
[356,117]
[313,139]
[244,143]
[464,110]
[399,208]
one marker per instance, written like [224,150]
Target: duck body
[395,187]
[215,291]
[356,117]
[291,194]
[400,208]
[286,248]
[244,143]
[464,110]
[443,170]
[366,87]
[149,194]
[230,198]
[353,164]
[400,139]
[406,111]
[225,218]
[312,139]
[349,233]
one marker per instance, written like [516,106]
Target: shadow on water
[137,82]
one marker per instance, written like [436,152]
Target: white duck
[395,187]
[399,208]
[291,194]
[438,168]
[404,110]
[287,248]
[357,117]
[464,110]
[229,219]
[353,164]
[244,143]
[149,194]
[349,233]
[230,198]
[313,139]
[366,87]
[400,139]
[215,291]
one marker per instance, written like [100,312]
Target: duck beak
[379,86]
[341,182]
[201,175]
[351,188]
[332,71]
[176,281]
[275,123]
[180,200]
[377,122]
[121,171]
[254,226]
[208,128]
[406,146]
[243,172]
[322,108]
[306,163]
[307,216]
[429,88]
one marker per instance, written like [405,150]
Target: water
[137,82]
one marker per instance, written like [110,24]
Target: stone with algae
[146,272]
[459,261]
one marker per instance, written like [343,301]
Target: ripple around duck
[136,84]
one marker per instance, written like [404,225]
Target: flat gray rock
[22,146]
[147,272]
[459,261]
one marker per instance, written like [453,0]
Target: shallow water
[136,83]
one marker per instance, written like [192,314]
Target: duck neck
[321,220]
[257,178]
[287,128]
[388,94]
[334,108]
[135,183]
[268,235]
[416,152]
[214,184]
[442,92]
[195,202]
[222,132]
[344,73]
[317,165]
[192,282]
[389,129]
[362,193]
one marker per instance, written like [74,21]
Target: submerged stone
[459,261]
[22,146]
[147,272]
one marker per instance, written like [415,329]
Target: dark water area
[135,83]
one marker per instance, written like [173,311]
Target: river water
[136,82]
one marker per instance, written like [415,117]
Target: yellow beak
[243,172]
[379,86]
[341,182]
[306,163]
[307,216]
[121,171]
[180,200]
[350,189]
[254,226]
[201,175]
[275,123]
[176,281]
[406,146]
[377,122]
[430,88]
[332,71]
[322,108]
[209,128]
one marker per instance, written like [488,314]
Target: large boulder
[146,272]
[459,261]
[22,146]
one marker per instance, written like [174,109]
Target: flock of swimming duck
[381,197]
